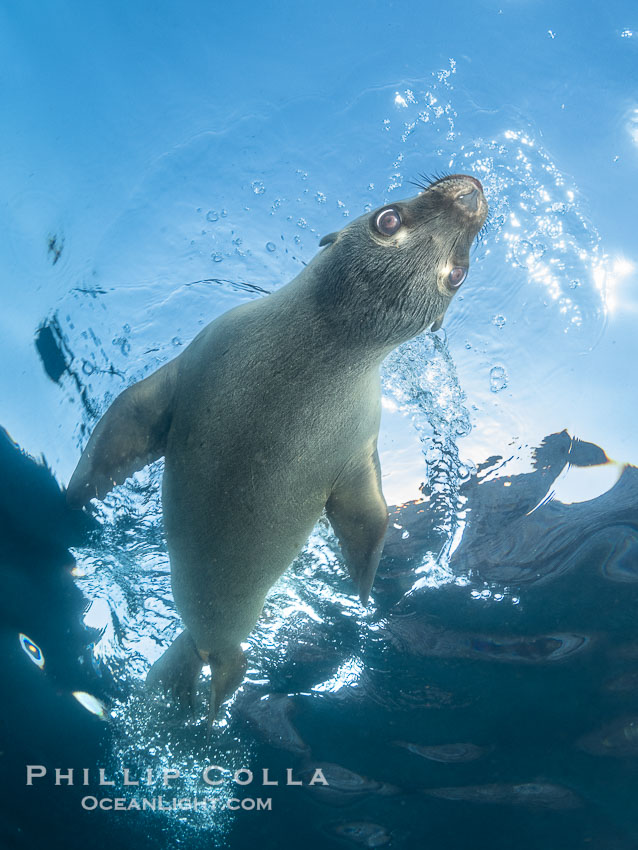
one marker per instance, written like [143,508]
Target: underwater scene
[351,290]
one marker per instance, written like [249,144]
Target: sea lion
[271,414]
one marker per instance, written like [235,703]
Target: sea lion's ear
[437,323]
[329,239]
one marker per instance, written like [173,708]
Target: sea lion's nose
[470,199]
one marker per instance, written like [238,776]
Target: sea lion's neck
[319,321]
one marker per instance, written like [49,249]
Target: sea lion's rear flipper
[227,674]
[131,433]
[176,671]
[359,516]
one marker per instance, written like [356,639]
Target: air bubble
[527,253]
[553,229]
[461,427]
[498,222]
[498,378]
[433,455]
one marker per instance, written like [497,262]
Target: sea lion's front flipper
[437,324]
[359,516]
[328,239]
[131,434]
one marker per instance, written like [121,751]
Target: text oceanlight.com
[163,804]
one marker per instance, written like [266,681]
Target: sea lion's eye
[457,276]
[388,222]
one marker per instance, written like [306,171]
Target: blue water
[161,164]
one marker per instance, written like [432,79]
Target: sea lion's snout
[474,180]
[470,200]
[460,178]
[467,192]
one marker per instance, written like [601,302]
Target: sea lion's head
[392,273]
